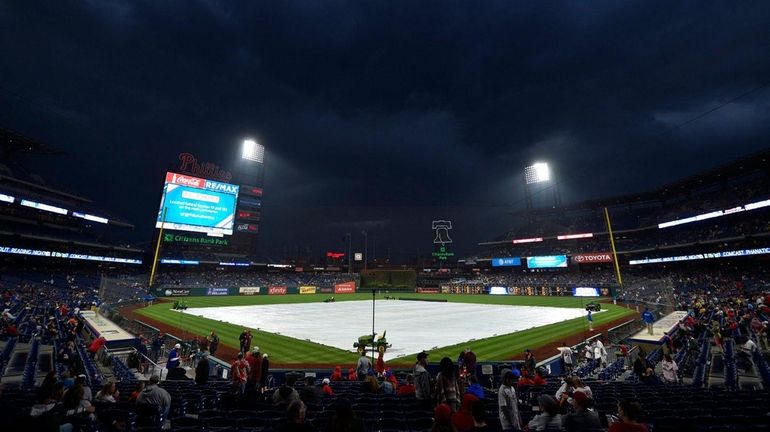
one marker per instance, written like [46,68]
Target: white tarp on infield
[412,325]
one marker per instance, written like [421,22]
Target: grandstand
[79,314]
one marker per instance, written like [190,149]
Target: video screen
[585,292]
[198,205]
[550,261]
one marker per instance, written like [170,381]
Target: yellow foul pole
[157,247]
[612,243]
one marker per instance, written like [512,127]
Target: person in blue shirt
[648,318]
[590,321]
[173,358]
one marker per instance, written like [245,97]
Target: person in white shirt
[750,346]
[599,351]
[508,404]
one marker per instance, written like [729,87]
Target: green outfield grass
[287,350]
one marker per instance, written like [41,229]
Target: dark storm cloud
[399,105]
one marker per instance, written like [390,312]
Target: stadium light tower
[539,172]
[253,151]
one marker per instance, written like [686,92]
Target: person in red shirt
[326,388]
[96,345]
[380,365]
[524,381]
[629,413]
[254,359]
[463,419]
[352,376]
[539,379]
[406,389]
[337,374]
[240,372]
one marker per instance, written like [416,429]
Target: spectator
[156,346]
[508,404]
[47,414]
[550,418]
[582,418]
[463,419]
[408,388]
[137,390]
[370,385]
[326,387]
[265,372]
[255,366]
[174,358]
[285,394]
[474,387]
[442,419]
[108,393]
[669,367]
[600,353]
[539,379]
[629,413]
[470,362]
[295,419]
[240,374]
[311,394]
[345,419]
[447,386]
[96,345]
[155,395]
[352,374]
[479,411]
[363,366]
[566,357]
[77,410]
[337,374]
[422,379]
[530,364]
[203,370]
[648,318]
[81,381]
[524,381]
[213,343]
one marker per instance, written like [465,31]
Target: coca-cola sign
[185,180]
[590,258]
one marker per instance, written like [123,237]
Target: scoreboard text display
[198,205]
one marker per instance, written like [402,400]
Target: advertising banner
[248,290]
[345,288]
[307,290]
[498,290]
[217,291]
[276,290]
[505,262]
[590,258]
[585,292]
[176,292]
[326,290]
[428,290]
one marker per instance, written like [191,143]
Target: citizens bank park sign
[590,258]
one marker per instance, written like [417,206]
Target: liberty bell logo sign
[441,228]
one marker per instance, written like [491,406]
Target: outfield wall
[341,288]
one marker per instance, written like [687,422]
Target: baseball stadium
[190,303]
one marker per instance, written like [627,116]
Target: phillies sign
[590,258]
[188,163]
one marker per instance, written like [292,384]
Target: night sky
[384,115]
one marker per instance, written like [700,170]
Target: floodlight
[537,173]
[253,151]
